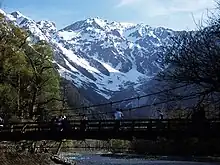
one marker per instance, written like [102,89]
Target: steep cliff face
[103,59]
[113,56]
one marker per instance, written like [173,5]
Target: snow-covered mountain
[101,57]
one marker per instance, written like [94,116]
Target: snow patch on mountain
[109,68]
[101,55]
[68,35]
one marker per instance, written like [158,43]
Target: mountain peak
[46,23]
[18,14]
[47,27]
[99,55]
[2,12]
[97,20]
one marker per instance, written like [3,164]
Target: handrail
[148,123]
[108,120]
[97,128]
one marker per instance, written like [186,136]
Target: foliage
[29,84]
[119,145]
[191,56]
[194,60]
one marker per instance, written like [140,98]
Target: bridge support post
[59,147]
[106,144]
[32,147]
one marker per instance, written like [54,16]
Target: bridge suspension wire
[64,96]
[123,100]
[183,98]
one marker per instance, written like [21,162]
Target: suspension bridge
[126,129]
[111,129]
[106,109]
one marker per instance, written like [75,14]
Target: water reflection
[92,159]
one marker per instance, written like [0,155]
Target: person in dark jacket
[199,119]
[84,123]
[65,124]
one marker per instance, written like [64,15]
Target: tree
[44,86]
[12,66]
[28,81]
[194,60]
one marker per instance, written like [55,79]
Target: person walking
[84,122]
[118,116]
[1,123]
[160,114]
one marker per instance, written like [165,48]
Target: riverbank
[12,158]
[7,158]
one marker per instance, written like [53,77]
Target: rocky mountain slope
[102,58]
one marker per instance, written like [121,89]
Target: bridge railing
[92,125]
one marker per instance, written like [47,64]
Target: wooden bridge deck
[109,129]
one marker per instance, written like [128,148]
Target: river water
[97,159]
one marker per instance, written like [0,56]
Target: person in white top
[118,114]
[1,123]
[160,114]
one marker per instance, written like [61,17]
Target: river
[98,159]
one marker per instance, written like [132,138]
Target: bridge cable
[124,100]
[183,98]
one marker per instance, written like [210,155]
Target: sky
[174,14]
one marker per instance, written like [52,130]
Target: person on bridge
[160,114]
[118,114]
[199,120]
[84,123]
[65,124]
[1,123]
[59,123]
